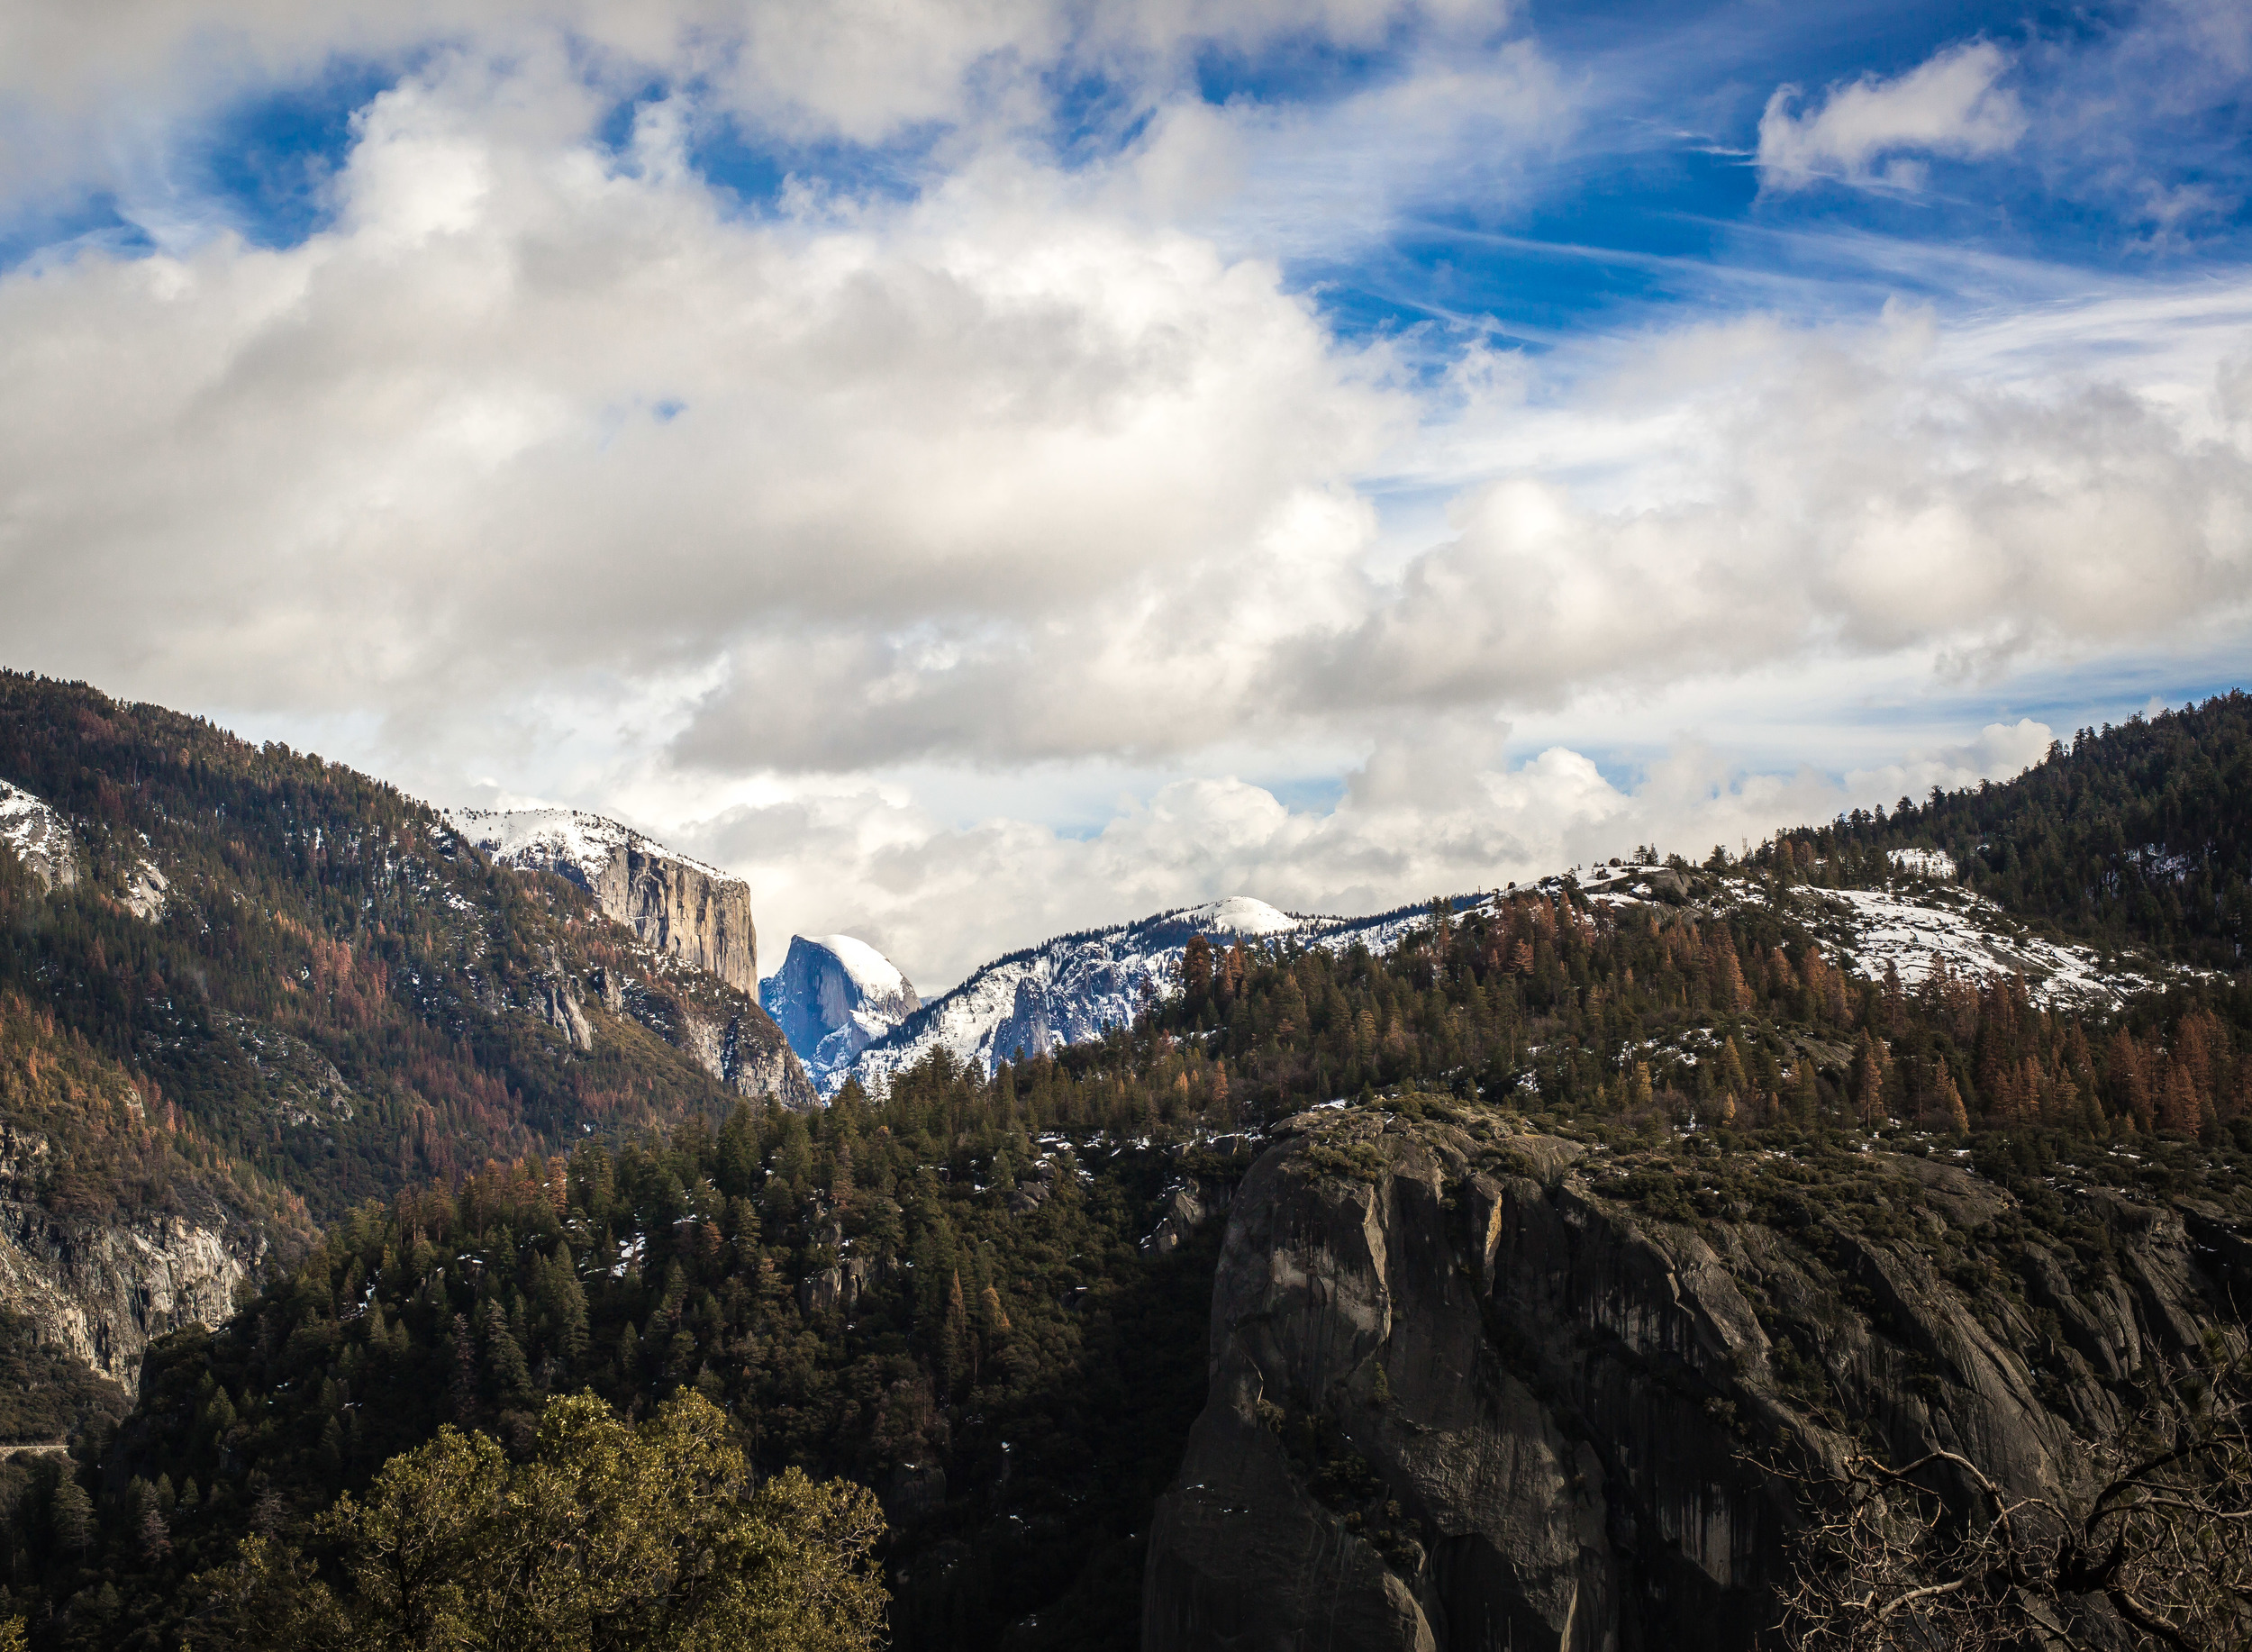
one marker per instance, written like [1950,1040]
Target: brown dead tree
[2154,1550]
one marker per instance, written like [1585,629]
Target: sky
[985,468]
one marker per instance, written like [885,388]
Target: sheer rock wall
[1461,1399]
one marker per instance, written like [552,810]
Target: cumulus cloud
[546,466]
[1820,493]
[994,474]
[531,409]
[1950,105]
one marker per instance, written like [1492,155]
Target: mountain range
[376,1007]
[1433,1279]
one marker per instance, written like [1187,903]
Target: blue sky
[1651,194]
[982,470]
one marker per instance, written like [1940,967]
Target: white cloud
[546,469]
[1773,493]
[1423,816]
[523,414]
[1950,105]
[93,97]
[999,476]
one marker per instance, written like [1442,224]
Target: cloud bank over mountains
[980,470]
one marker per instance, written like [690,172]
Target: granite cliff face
[1470,1388]
[673,904]
[698,914]
[103,1291]
[833,996]
[101,1285]
[692,975]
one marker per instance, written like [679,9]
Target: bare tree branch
[2153,1548]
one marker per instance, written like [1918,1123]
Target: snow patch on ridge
[870,970]
[1972,936]
[574,843]
[1935,863]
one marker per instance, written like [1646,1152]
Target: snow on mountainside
[833,996]
[571,842]
[1923,862]
[1916,924]
[1071,988]
[1915,930]
[677,904]
[37,835]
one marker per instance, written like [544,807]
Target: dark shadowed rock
[1468,1393]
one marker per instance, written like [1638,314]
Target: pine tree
[70,1515]
[955,1349]
[153,1535]
[561,1301]
[465,1372]
[1196,972]
[1733,1079]
[1806,1099]
[1950,1104]
[1868,1081]
[995,1316]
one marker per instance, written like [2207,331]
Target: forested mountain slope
[241,988]
[2141,833]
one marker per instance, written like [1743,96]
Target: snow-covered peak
[1240,914]
[833,996]
[870,970]
[545,836]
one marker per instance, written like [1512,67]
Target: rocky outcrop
[726,1034]
[838,1289]
[36,835]
[101,1285]
[1188,1206]
[748,1052]
[104,1289]
[148,892]
[556,1001]
[1467,1391]
[694,912]
[834,996]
